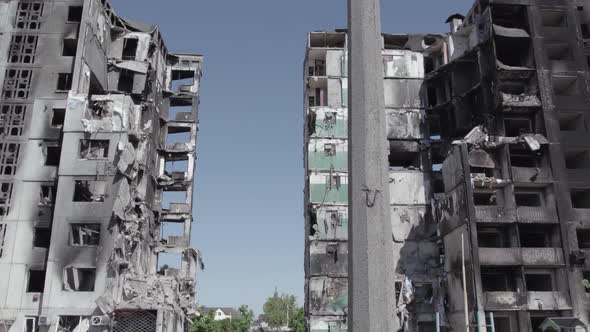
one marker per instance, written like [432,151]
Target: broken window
[586,276]
[64,81]
[42,237]
[5,197]
[52,155]
[520,157]
[484,198]
[514,127]
[405,159]
[554,18]
[31,324]
[313,222]
[126,81]
[23,49]
[539,282]
[84,234]
[79,279]
[2,238]
[47,195]
[528,199]
[537,236]
[580,198]
[28,15]
[318,68]
[72,323]
[36,281]
[58,117]
[17,84]
[75,14]
[498,279]
[515,52]
[583,236]
[69,47]
[129,48]
[333,182]
[89,191]
[330,149]
[94,149]
[12,119]
[9,153]
[510,16]
[493,237]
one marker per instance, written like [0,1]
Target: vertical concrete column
[370,270]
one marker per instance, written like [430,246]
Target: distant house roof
[228,311]
[455,16]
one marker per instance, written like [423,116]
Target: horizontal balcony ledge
[527,301]
[522,256]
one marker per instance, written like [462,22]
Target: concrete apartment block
[98,132]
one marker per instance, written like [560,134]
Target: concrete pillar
[370,270]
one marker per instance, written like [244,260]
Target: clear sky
[249,184]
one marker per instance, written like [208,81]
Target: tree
[243,323]
[278,309]
[204,323]
[207,323]
[297,321]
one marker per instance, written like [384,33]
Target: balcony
[527,301]
[494,214]
[531,214]
[522,256]
[531,175]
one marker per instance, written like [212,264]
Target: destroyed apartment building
[489,146]
[98,129]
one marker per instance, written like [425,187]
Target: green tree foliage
[278,309]
[297,321]
[206,323]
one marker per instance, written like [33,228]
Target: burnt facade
[98,131]
[488,132]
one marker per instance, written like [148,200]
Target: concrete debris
[510,32]
[520,100]
[477,135]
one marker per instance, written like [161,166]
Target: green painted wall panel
[318,194]
[319,160]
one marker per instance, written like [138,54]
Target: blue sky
[249,187]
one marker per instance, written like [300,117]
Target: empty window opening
[510,16]
[515,52]
[72,323]
[69,47]
[182,85]
[515,127]
[580,160]
[566,86]
[528,199]
[497,279]
[2,238]
[580,198]
[484,199]
[180,113]
[428,64]
[426,326]
[553,18]
[28,15]
[395,42]
[313,222]
[585,30]
[520,157]
[501,323]
[126,78]
[405,159]
[79,279]
[36,281]
[176,166]
[31,324]
[58,117]
[172,234]
[432,96]
[493,237]
[12,119]
[583,236]
[169,263]
[329,40]
[538,282]
[439,186]
[514,87]
[75,14]
[52,155]
[9,153]
[42,237]
[488,172]
[559,52]
[173,138]
[317,68]
[586,276]
[94,149]
[538,236]
[84,234]
[333,182]
[64,81]
[89,191]
[47,194]
[17,84]
[129,48]
[23,49]
[172,197]
[5,197]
